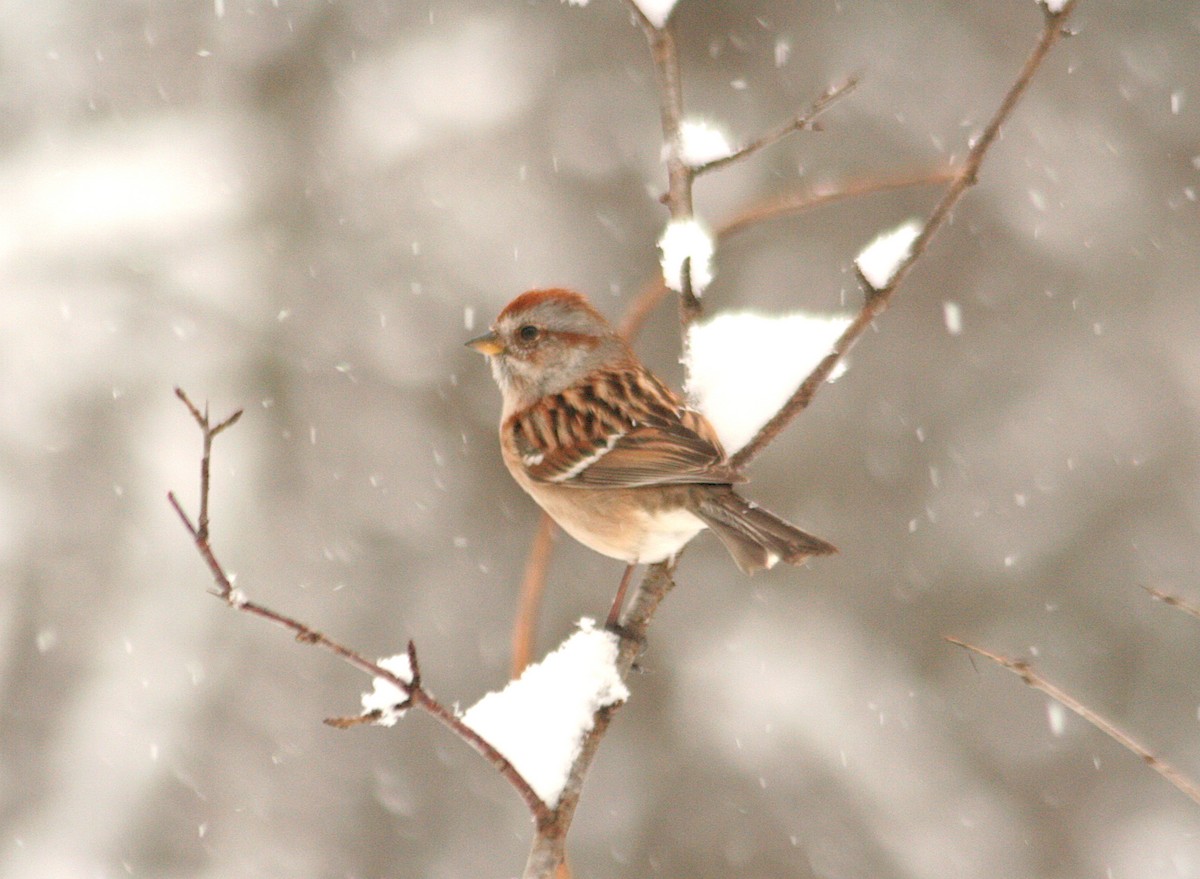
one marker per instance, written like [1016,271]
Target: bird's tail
[755,538]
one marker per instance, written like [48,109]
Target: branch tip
[1025,670]
[354,720]
[1176,601]
[191,407]
[414,667]
[803,121]
[228,422]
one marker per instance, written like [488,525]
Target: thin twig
[209,432]
[533,586]
[1183,604]
[653,293]
[800,122]
[641,307]
[678,197]
[823,194]
[303,633]
[877,301]
[417,695]
[1026,672]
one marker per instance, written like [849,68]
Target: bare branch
[414,666]
[678,197]
[799,122]
[878,303]
[350,721]
[417,695]
[423,700]
[209,432]
[1183,604]
[649,297]
[1026,672]
[640,308]
[821,195]
[533,586]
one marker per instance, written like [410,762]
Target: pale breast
[615,522]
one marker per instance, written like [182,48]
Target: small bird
[610,452]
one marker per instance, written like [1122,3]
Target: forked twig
[210,432]
[680,174]
[877,301]
[1026,672]
[417,695]
[800,122]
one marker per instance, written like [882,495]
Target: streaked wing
[617,430]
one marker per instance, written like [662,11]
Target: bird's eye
[528,333]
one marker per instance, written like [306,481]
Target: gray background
[289,206]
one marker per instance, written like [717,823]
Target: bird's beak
[489,344]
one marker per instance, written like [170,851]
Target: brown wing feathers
[617,429]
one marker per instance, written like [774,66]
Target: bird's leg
[614,614]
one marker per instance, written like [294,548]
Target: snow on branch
[387,702]
[538,721]
[687,241]
[656,11]
[701,142]
[879,260]
[742,366]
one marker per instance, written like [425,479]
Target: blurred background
[303,208]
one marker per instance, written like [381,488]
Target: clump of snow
[742,366]
[701,142]
[880,259]
[1055,6]
[539,720]
[386,696]
[658,11]
[783,51]
[952,314]
[1056,715]
[687,239]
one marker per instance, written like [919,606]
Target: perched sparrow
[604,447]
